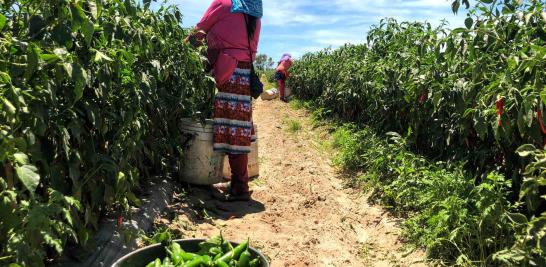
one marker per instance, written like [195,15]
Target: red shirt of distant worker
[281,74]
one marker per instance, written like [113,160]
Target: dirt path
[302,215]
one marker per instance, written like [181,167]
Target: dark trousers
[239,173]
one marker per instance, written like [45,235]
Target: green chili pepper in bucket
[226,246]
[218,256]
[210,254]
[244,260]
[195,262]
[156,263]
[207,260]
[235,253]
[188,256]
[151,264]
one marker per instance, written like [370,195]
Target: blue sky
[300,26]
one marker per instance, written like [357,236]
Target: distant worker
[232,31]
[281,74]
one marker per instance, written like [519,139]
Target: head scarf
[250,7]
[285,57]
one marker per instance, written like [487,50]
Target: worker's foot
[223,192]
[238,197]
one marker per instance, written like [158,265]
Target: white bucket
[270,94]
[253,164]
[287,92]
[201,165]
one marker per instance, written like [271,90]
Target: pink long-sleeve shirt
[284,66]
[227,35]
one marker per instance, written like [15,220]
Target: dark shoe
[238,197]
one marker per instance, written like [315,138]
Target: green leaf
[94,10]
[28,174]
[3,21]
[518,218]
[10,108]
[68,217]
[521,122]
[5,78]
[53,242]
[121,179]
[134,200]
[50,58]
[60,52]
[62,34]
[88,29]
[526,150]
[455,6]
[528,17]
[99,57]
[543,96]
[8,200]
[459,30]
[468,112]
[78,16]
[147,4]
[79,77]
[480,124]
[21,158]
[528,112]
[68,67]
[72,202]
[468,22]
[33,55]
[36,27]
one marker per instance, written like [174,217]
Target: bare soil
[302,213]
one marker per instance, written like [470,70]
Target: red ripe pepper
[120,220]
[500,106]
[540,122]
[422,97]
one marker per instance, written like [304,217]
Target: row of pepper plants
[473,94]
[91,93]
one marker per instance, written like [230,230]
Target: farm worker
[232,32]
[281,73]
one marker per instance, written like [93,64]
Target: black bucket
[143,256]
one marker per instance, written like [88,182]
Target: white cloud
[309,25]
[338,37]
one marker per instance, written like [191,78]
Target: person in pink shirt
[231,29]
[281,74]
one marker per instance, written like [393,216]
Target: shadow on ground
[200,204]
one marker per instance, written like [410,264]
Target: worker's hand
[196,37]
